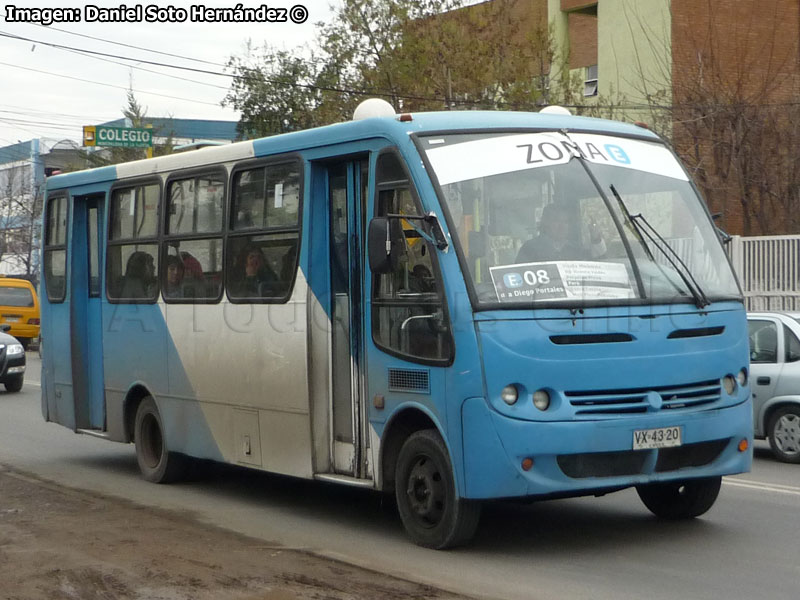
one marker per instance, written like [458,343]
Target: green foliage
[417,54]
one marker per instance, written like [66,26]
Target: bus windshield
[544,218]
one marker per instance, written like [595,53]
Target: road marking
[760,485]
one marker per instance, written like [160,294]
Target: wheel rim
[426,492]
[787,434]
[152,441]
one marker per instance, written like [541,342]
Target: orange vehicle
[19,308]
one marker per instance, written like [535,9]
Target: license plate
[11,319]
[663,437]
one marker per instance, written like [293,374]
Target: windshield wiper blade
[644,229]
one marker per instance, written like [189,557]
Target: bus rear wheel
[430,509]
[680,499]
[156,463]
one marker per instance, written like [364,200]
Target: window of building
[132,257]
[408,311]
[262,250]
[590,83]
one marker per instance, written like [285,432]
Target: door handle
[762,380]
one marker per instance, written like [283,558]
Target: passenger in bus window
[557,239]
[175,274]
[140,276]
[256,278]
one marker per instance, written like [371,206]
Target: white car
[12,360]
[775,381]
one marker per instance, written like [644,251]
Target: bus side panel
[238,379]
[57,364]
[134,346]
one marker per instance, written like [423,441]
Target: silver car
[775,381]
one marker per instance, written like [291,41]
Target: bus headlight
[729,383]
[741,377]
[510,394]
[15,349]
[541,399]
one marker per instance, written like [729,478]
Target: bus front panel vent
[410,380]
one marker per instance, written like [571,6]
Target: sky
[50,93]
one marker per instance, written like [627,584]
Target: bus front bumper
[584,457]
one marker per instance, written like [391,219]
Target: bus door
[347,185]
[86,329]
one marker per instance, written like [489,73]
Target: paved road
[604,548]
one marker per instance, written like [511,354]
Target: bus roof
[390,127]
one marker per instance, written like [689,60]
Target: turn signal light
[744,445]
[527,464]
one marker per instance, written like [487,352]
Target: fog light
[541,399]
[527,464]
[510,394]
[741,377]
[729,383]
[744,445]
[13,370]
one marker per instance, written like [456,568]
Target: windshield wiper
[644,229]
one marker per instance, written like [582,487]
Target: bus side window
[263,243]
[408,314]
[192,267]
[55,249]
[132,256]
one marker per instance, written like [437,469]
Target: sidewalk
[59,543]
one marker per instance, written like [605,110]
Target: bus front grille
[632,462]
[630,401]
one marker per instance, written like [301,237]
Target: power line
[107,84]
[83,35]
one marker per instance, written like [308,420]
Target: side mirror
[384,237]
[724,236]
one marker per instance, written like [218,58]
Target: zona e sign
[126,137]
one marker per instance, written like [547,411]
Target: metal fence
[768,268]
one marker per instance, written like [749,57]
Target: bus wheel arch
[397,431]
[135,396]
[157,463]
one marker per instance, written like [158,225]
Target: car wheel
[156,462]
[680,499]
[430,509]
[14,384]
[783,432]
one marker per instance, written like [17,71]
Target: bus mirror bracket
[383,243]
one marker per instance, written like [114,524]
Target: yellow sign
[89,135]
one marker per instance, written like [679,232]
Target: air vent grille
[410,380]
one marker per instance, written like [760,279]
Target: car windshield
[14,296]
[534,227]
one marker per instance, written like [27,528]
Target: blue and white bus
[450,307]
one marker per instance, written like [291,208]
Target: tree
[137,115]
[730,104]
[20,213]
[418,55]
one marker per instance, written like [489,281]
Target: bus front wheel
[430,509]
[156,463]
[680,499]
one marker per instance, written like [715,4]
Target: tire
[14,384]
[427,501]
[156,463]
[783,432]
[26,343]
[680,499]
